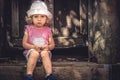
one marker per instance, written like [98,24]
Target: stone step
[62,70]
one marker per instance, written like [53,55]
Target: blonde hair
[29,21]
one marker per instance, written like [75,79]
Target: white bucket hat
[39,7]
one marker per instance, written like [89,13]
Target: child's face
[39,20]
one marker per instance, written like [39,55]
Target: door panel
[70,22]
[66,18]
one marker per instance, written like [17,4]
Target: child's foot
[28,77]
[50,77]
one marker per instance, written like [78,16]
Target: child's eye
[39,16]
[43,16]
[35,16]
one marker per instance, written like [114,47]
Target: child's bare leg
[33,57]
[46,59]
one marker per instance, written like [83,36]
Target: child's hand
[37,48]
[45,47]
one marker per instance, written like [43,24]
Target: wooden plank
[15,18]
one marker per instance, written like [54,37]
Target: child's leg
[32,60]
[46,59]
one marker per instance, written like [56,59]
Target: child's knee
[34,54]
[44,54]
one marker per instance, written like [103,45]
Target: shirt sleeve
[49,32]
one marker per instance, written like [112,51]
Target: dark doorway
[66,29]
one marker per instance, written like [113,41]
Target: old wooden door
[69,25]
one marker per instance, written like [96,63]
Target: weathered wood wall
[1,24]
[103,30]
[100,18]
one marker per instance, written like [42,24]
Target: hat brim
[39,11]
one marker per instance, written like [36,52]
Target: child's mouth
[39,23]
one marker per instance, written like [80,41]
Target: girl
[38,40]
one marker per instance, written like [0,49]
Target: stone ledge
[62,70]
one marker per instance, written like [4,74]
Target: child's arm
[26,45]
[51,44]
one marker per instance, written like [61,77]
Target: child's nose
[39,18]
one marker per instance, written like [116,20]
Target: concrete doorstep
[62,70]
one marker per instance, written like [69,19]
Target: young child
[38,40]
